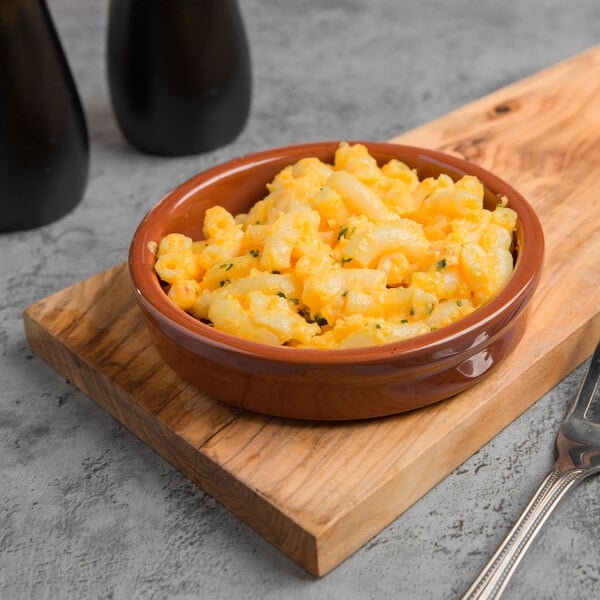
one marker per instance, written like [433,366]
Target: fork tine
[591,386]
[587,391]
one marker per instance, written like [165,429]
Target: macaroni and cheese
[343,255]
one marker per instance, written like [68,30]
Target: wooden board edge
[256,511]
[32,311]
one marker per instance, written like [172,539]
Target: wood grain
[319,491]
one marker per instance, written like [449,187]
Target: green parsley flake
[320,320]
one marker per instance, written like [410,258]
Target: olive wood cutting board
[319,491]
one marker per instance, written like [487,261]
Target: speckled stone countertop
[88,511]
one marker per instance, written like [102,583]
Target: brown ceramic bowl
[329,384]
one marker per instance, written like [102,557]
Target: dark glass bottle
[44,152]
[179,73]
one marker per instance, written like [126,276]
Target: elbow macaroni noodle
[343,255]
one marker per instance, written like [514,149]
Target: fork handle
[491,582]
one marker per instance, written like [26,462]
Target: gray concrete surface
[88,511]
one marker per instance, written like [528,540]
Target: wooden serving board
[318,491]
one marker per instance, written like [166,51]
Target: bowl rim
[150,295]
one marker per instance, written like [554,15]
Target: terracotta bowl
[329,384]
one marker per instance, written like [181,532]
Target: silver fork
[578,457]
